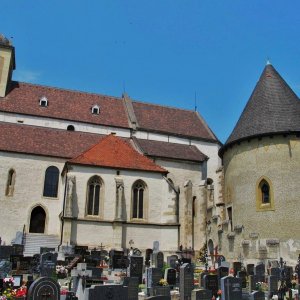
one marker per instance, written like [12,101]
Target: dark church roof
[273,108]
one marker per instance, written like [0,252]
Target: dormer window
[95,110]
[44,102]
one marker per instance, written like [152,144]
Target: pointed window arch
[51,182]
[10,185]
[94,191]
[139,199]
[264,195]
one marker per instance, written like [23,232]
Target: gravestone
[6,252]
[15,261]
[231,288]
[116,259]
[133,287]
[159,298]
[81,250]
[220,259]
[211,282]
[253,280]
[135,268]
[5,268]
[272,284]
[157,259]
[201,280]
[250,269]
[106,292]
[44,288]
[257,295]
[259,271]
[155,246]
[172,261]
[170,276]
[288,275]
[186,284]
[222,272]
[237,266]
[96,272]
[153,276]
[243,276]
[48,264]
[79,272]
[274,271]
[201,294]
[225,264]
[148,257]
[160,291]
[25,263]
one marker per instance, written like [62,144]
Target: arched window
[93,196]
[71,128]
[95,110]
[138,200]
[10,182]
[51,182]
[264,195]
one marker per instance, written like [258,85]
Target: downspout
[65,170]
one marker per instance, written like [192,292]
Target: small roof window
[95,109]
[71,128]
[43,101]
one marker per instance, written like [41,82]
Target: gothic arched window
[264,195]
[51,182]
[93,196]
[138,200]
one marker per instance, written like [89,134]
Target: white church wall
[28,193]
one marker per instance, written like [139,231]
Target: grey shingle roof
[273,108]
[170,150]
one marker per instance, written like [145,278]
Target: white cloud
[27,76]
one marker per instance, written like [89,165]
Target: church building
[85,169]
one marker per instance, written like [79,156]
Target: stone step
[34,241]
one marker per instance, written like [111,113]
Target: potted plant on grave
[162,288]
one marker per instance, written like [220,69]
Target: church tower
[7,64]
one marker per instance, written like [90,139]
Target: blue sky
[158,51]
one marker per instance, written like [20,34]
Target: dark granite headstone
[172,261]
[272,284]
[160,291]
[201,279]
[46,250]
[250,269]
[96,272]
[201,294]
[275,272]
[44,288]
[116,259]
[170,276]
[106,292]
[237,266]
[288,274]
[158,298]
[158,259]
[48,264]
[6,252]
[148,257]
[253,279]
[222,272]
[259,271]
[25,263]
[153,276]
[81,250]
[231,288]
[186,284]
[135,268]
[211,283]
[15,261]
[257,295]
[133,287]
[243,276]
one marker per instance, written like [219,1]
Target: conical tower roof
[273,108]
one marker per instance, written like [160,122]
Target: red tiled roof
[171,150]
[114,152]
[171,120]
[64,104]
[45,141]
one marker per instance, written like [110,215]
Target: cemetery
[99,274]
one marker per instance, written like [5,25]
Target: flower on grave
[61,270]
[63,292]
[163,282]
[20,292]
[219,293]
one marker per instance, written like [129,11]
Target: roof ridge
[160,105]
[65,89]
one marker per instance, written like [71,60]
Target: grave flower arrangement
[61,271]
[163,282]
[261,286]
